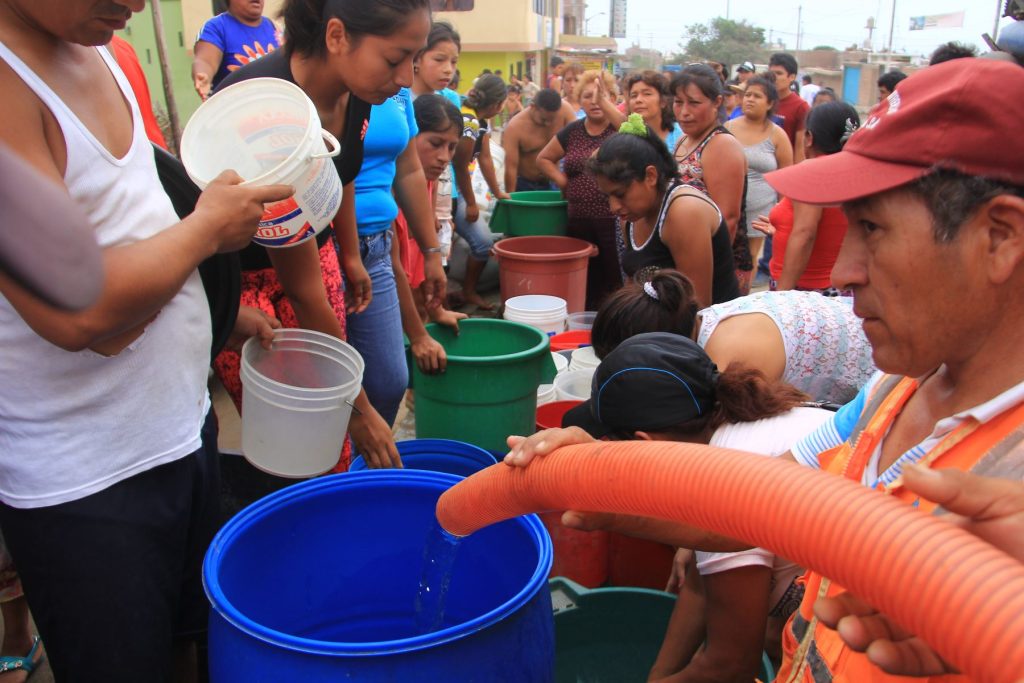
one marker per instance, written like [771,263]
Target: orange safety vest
[813,653]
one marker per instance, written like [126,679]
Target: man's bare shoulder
[28,125]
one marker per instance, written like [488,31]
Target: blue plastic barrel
[317,582]
[437,455]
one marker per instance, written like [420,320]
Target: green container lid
[537,212]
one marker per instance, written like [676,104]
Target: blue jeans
[376,333]
[477,235]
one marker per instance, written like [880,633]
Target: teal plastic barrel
[607,635]
[489,389]
[537,212]
[317,582]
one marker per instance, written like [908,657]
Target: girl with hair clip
[807,238]
[665,223]
[814,343]
[484,101]
[346,55]
[660,386]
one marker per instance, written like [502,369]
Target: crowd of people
[894,273]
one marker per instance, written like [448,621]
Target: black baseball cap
[650,382]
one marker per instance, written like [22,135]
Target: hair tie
[634,125]
[650,291]
[848,131]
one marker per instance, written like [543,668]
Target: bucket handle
[334,147]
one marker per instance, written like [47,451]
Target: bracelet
[431,250]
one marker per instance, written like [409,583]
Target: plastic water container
[317,582]
[584,358]
[549,415]
[574,385]
[489,389]
[582,320]
[571,340]
[534,212]
[268,131]
[436,455]
[561,362]
[296,401]
[612,634]
[556,266]
[546,313]
[546,394]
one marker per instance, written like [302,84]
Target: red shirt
[793,112]
[129,63]
[831,230]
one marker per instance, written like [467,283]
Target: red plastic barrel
[570,341]
[638,563]
[581,556]
[549,415]
[545,265]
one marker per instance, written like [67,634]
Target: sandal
[28,663]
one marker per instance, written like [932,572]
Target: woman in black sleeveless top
[665,223]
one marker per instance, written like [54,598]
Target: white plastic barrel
[546,313]
[268,131]
[297,400]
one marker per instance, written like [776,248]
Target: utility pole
[799,25]
[999,15]
[165,73]
[892,27]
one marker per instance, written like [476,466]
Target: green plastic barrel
[489,389]
[537,212]
[607,635]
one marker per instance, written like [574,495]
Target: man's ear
[1002,220]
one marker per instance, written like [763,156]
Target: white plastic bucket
[267,130]
[546,313]
[583,320]
[546,394]
[573,385]
[561,362]
[584,358]
[297,400]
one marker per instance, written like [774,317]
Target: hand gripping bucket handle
[333,146]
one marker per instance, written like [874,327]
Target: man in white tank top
[107,493]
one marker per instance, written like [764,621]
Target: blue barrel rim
[402,479]
[537,349]
[452,447]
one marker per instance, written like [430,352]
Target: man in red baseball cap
[933,186]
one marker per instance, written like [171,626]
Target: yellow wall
[471,64]
[501,24]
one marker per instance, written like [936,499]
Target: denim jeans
[477,235]
[376,333]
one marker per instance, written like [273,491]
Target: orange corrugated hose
[964,597]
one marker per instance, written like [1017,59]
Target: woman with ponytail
[813,343]
[346,55]
[484,101]
[807,238]
[665,223]
[663,387]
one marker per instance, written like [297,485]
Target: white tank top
[72,424]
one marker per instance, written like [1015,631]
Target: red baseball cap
[961,115]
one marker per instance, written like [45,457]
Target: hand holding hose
[991,509]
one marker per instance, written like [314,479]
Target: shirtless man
[110,475]
[525,136]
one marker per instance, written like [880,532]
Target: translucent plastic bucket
[584,358]
[574,385]
[268,131]
[546,394]
[296,401]
[583,320]
[546,313]
[561,362]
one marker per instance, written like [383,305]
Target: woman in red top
[807,238]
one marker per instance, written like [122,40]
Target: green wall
[139,33]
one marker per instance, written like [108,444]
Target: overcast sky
[839,23]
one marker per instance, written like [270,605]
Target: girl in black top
[664,223]
[345,55]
